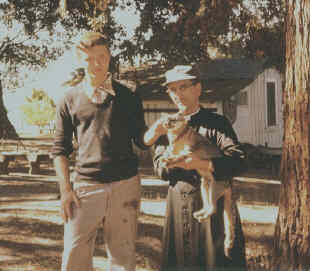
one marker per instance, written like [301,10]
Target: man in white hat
[184,239]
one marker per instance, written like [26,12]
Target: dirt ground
[31,230]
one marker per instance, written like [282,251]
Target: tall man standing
[184,239]
[104,117]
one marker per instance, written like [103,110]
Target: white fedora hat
[180,72]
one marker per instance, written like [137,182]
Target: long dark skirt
[186,242]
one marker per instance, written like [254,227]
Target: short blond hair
[90,39]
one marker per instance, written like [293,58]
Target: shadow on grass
[147,255]
[18,238]
[50,263]
[150,230]
[28,227]
[29,249]
[26,189]
[18,235]
[28,178]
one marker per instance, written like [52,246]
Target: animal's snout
[174,121]
[170,123]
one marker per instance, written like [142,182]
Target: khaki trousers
[115,206]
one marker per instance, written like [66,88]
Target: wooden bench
[34,160]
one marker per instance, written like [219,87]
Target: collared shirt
[188,116]
[99,95]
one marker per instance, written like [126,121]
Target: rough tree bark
[292,235]
[7,130]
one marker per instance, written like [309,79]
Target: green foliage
[39,110]
[92,15]
[184,31]
[200,25]
[266,32]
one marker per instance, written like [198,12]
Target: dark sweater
[104,133]
[219,131]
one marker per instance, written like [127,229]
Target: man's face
[95,60]
[184,94]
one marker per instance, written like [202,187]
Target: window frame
[275,103]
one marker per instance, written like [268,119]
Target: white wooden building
[258,110]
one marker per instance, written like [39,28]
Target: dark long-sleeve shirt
[219,131]
[104,133]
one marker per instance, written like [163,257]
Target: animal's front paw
[228,245]
[165,160]
[227,251]
[229,241]
[229,226]
[203,214]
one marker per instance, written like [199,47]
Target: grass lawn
[31,228]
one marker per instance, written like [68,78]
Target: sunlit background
[51,78]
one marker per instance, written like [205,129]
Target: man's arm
[68,196]
[154,132]
[233,161]
[61,165]
[62,148]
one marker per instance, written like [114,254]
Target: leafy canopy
[170,31]
[185,31]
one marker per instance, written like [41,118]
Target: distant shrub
[39,110]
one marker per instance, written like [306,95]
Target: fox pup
[184,141]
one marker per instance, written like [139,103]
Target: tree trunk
[7,130]
[292,234]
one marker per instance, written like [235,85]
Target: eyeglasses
[181,88]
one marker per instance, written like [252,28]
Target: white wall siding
[251,124]
[242,124]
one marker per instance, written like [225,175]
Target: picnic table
[34,150]
[34,159]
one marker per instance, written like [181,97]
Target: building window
[242,98]
[271,104]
